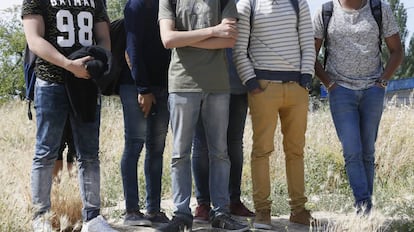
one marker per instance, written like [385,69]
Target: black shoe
[225,222]
[157,218]
[177,224]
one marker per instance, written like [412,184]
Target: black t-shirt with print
[68,27]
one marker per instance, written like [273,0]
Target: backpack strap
[252,14]
[327,9]
[173,4]
[376,11]
[295,4]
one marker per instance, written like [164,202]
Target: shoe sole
[242,218]
[223,230]
[137,223]
[262,226]
[200,221]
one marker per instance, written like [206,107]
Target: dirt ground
[279,223]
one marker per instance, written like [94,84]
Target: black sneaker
[157,218]
[136,219]
[224,222]
[177,224]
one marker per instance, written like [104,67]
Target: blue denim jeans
[185,109]
[138,131]
[356,115]
[52,110]
[235,131]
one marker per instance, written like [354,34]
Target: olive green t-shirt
[196,69]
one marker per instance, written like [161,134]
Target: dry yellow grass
[326,182]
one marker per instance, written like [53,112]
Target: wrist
[211,32]
[382,82]
[330,84]
[67,64]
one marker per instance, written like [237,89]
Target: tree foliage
[11,50]
[116,8]
[408,65]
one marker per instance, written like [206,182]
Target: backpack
[327,10]
[29,77]
[29,63]
[109,85]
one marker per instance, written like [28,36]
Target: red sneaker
[202,213]
[239,209]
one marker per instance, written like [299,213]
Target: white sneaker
[41,224]
[98,224]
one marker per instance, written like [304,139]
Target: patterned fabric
[354,59]
[278,41]
[68,27]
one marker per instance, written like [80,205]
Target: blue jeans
[356,115]
[185,109]
[235,131]
[52,110]
[150,131]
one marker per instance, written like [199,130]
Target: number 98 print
[65,24]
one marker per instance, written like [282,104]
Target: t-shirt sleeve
[318,24]
[100,12]
[230,10]
[165,10]
[31,7]
[389,24]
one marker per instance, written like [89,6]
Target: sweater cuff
[306,76]
[143,90]
[252,84]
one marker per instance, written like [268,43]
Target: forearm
[215,43]
[48,52]
[396,56]
[177,39]
[135,52]
[319,70]
[105,43]
[392,65]
[102,35]
[321,74]
[172,38]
